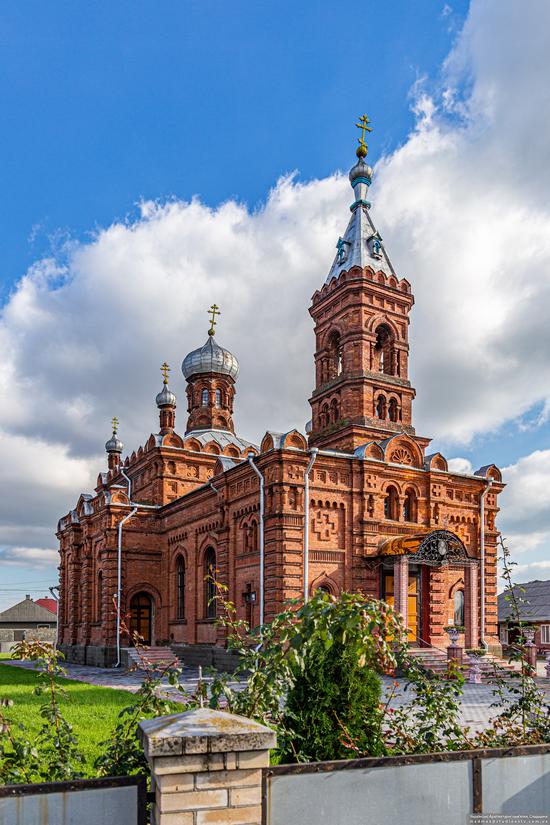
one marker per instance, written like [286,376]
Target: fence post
[206,767]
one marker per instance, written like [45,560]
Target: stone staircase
[158,656]
[435,659]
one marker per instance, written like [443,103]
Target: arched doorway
[141,616]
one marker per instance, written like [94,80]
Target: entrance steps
[154,656]
[435,659]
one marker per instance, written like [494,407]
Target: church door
[414,602]
[141,616]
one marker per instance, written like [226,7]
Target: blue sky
[114,112]
[107,103]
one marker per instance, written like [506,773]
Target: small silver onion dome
[166,398]
[360,170]
[210,358]
[114,444]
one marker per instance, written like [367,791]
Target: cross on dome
[362,149]
[213,311]
[165,369]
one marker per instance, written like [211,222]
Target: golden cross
[114,422]
[363,125]
[213,311]
[165,369]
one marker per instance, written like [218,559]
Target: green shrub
[334,699]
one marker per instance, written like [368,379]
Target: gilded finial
[114,422]
[362,149]
[165,369]
[213,311]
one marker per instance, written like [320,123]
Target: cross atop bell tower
[361,314]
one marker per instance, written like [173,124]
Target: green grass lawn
[92,711]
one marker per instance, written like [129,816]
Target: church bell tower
[361,315]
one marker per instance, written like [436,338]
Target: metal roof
[223,438]
[535,604]
[27,611]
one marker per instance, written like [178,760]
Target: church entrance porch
[424,577]
[141,617]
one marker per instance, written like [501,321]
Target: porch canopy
[438,547]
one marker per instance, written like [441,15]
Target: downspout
[56,597]
[262,547]
[313,455]
[135,507]
[482,563]
[121,523]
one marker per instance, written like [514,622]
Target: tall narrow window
[204,398]
[384,350]
[393,412]
[99,611]
[210,585]
[391,504]
[180,588]
[218,398]
[381,407]
[459,607]
[334,411]
[409,506]
[335,359]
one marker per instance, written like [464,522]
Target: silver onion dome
[114,444]
[360,170]
[210,358]
[166,398]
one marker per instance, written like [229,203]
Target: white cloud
[460,465]
[463,209]
[29,556]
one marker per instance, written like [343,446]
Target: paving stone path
[476,700]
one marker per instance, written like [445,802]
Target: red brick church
[356,503]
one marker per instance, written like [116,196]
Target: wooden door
[413,599]
[141,616]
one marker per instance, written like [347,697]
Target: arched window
[384,349]
[180,588]
[205,398]
[381,407]
[393,410]
[334,411]
[391,504]
[334,356]
[218,398]
[99,611]
[209,583]
[459,607]
[325,416]
[410,506]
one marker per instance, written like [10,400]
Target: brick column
[401,587]
[471,605]
[205,767]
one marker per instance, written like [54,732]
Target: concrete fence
[212,768]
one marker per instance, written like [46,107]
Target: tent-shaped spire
[361,245]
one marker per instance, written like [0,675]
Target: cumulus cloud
[463,210]
[29,556]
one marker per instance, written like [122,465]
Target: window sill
[177,621]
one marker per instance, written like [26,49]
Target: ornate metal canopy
[439,547]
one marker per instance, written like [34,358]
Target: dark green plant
[314,660]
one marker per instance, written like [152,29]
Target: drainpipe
[121,523]
[313,453]
[56,597]
[482,563]
[262,547]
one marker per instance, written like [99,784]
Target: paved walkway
[476,700]
[123,679]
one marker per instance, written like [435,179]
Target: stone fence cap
[203,731]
